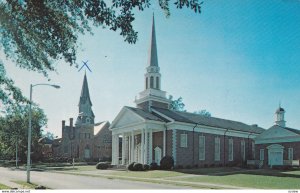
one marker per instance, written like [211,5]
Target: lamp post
[29,128]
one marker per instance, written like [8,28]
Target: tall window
[157,83]
[230,149]
[151,82]
[217,149]
[243,149]
[146,83]
[290,153]
[183,140]
[253,150]
[261,154]
[201,147]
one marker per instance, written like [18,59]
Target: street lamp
[29,128]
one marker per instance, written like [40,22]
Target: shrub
[138,167]
[212,165]
[146,167]
[154,166]
[196,166]
[167,163]
[205,165]
[130,166]
[102,165]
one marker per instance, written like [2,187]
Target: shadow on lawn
[233,171]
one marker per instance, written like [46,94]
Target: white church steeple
[152,96]
[279,116]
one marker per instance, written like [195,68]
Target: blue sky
[237,59]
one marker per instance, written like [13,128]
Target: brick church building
[84,139]
[152,130]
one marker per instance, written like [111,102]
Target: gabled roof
[165,115]
[101,126]
[144,114]
[296,131]
[209,121]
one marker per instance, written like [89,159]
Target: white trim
[290,153]
[261,154]
[278,140]
[211,130]
[142,145]
[202,154]
[162,115]
[132,147]
[217,149]
[150,146]
[123,148]
[230,146]
[146,147]
[243,149]
[183,140]
[174,145]
[120,114]
[164,143]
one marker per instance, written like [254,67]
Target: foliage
[146,167]
[203,112]
[102,165]
[130,166]
[167,163]
[33,34]
[138,167]
[13,129]
[176,104]
[49,135]
[154,166]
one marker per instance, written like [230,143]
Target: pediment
[276,132]
[126,117]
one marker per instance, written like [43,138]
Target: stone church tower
[152,95]
[86,140]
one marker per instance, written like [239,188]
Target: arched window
[146,82]
[157,83]
[151,82]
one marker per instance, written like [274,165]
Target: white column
[117,149]
[174,145]
[142,146]
[146,147]
[150,147]
[132,147]
[129,149]
[123,148]
[164,143]
[114,150]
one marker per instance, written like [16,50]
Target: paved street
[66,181]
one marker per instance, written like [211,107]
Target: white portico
[135,128]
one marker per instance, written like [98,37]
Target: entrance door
[157,154]
[275,154]
[87,153]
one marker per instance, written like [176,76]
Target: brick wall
[185,155]
[294,145]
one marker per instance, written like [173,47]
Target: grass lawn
[147,174]
[258,179]
[2,186]
[26,185]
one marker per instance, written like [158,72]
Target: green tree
[176,104]
[49,135]
[34,33]
[14,129]
[203,112]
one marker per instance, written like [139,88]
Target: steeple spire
[152,96]
[153,61]
[85,94]
[86,115]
